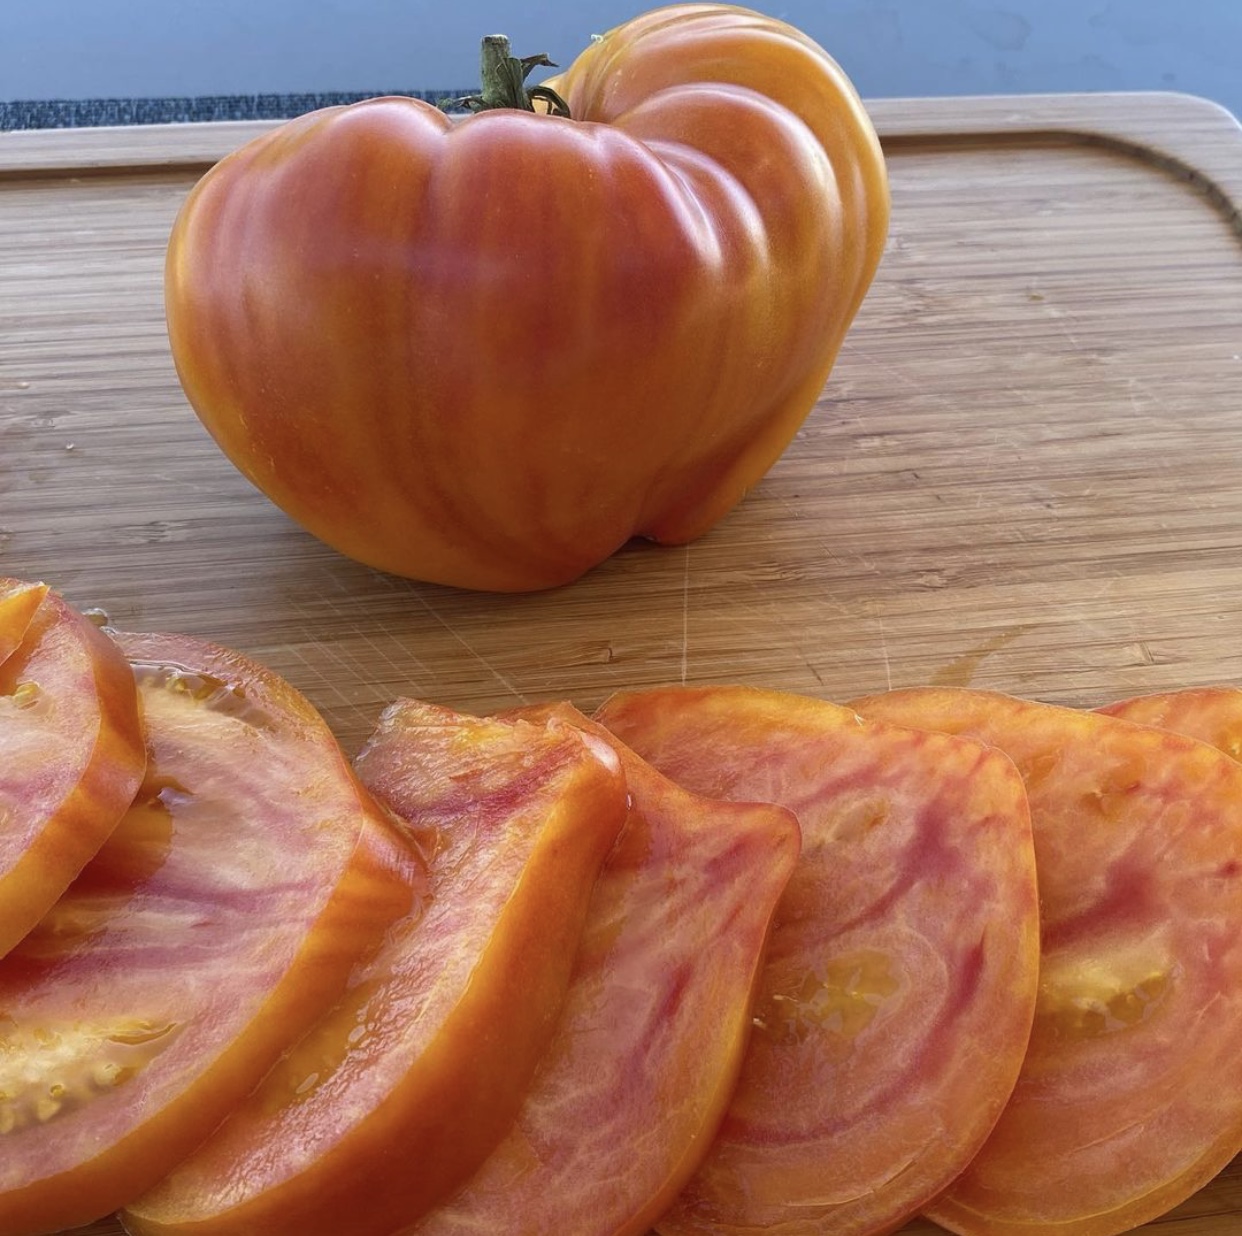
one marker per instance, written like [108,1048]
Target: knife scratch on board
[685,615]
[1059,316]
[819,678]
[507,683]
[893,370]
[400,674]
[888,668]
[328,681]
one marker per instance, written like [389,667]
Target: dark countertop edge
[93,113]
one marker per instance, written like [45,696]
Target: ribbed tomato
[487,353]
[71,752]
[220,918]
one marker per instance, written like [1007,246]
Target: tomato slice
[218,921]
[397,1096]
[71,751]
[1130,1097]
[650,1041]
[897,997]
[1210,714]
[19,601]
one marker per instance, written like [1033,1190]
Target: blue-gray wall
[140,48]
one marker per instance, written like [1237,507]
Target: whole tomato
[487,352]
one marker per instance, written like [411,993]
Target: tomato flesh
[71,751]
[221,916]
[898,992]
[650,1041]
[1130,1096]
[399,1093]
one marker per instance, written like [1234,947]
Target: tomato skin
[221,917]
[70,761]
[488,353]
[1210,714]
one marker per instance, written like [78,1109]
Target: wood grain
[1025,474]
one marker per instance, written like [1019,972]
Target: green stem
[504,82]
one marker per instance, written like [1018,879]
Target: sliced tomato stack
[519,941]
[719,959]
[224,911]
[651,1038]
[371,1131]
[398,1094]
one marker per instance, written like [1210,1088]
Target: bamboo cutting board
[1025,474]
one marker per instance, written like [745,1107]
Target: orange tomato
[487,353]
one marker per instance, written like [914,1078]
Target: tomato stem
[504,82]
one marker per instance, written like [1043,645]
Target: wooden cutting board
[1025,473]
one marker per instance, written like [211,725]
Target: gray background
[146,48]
